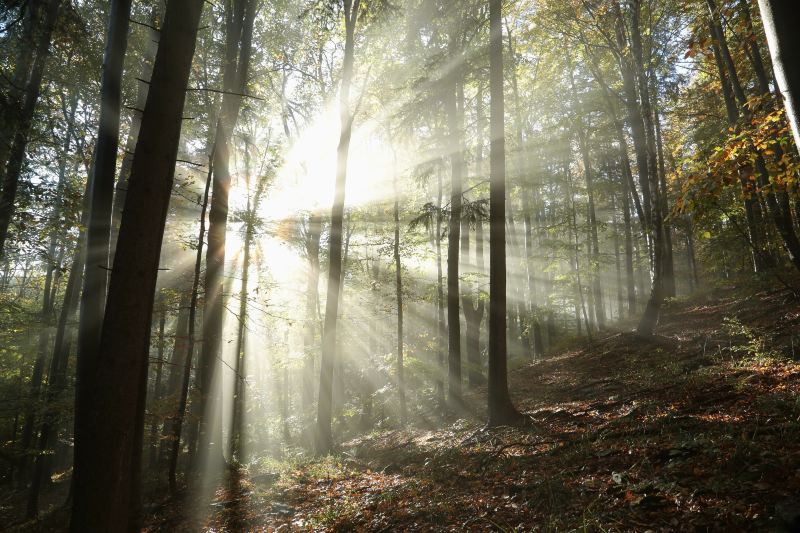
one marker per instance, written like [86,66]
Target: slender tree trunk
[237,451]
[779,18]
[440,329]
[669,261]
[57,373]
[26,46]
[454,107]
[19,143]
[106,495]
[324,436]
[649,320]
[401,384]
[473,306]
[143,85]
[238,36]
[501,410]
[157,392]
[95,277]
[180,415]
[177,362]
[635,121]
[312,302]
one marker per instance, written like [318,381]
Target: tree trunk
[239,16]
[19,143]
[95,276]
[779,19]
[501,410]
[324,436]
[312,303]
[440,314]
[454,107]
[401,384]
[473,306]
[636,122]
[57,373]
[180,415]
[22,70]
[649,320]
[142,87]
[106,494]
[177,362]
[157,392]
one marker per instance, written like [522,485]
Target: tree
[23,117]
[324,435]
[98,234]
[784,47]
[239,17]
[501,410]
[106,496]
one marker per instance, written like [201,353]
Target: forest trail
[695,430]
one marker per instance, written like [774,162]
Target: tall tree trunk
[237,451]
[649,320]
[9,121]
[239,16]
[106,494]
[180,415]
[630,283]
[19,143]
[95,276]
[324,436]
[440,314]
[752,208]
[142,87]
[580,304]
[669,261]
[401,382]
[157,392]
[501,410]
[635,121]
[473,306]
[594,246]
[312,303]
[177,362]
[454,107]
[777,202]
[533,336]
[779,21]
[57,373]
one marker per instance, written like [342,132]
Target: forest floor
[697,429]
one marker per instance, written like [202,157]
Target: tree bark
[453,103]
[143,85]
[779,19]
[57,373]
[19,143]
[96,266]
[312,303]
[238,36]
[106,493]
[501,410]
[324,436]
[180,415]
[401,383]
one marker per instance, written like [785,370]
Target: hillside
[694,430]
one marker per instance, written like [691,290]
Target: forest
[399,265]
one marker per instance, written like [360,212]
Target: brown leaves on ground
[697,429]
